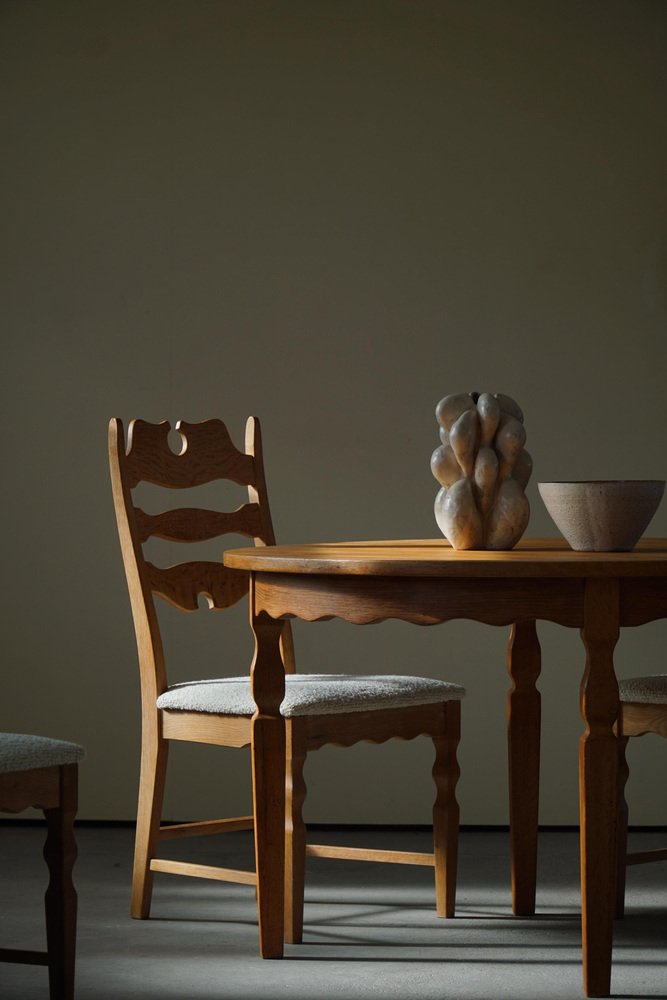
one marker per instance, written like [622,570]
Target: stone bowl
[605,516]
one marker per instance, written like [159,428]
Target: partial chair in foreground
[318,709]
[643,710]
[41,772]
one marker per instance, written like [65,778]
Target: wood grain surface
[532,557]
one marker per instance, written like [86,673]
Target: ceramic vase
[483,468]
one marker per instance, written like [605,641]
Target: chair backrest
[208,454]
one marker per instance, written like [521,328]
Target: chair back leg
[154,755]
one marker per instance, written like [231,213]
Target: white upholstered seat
[311,694]
[22,752]
[651,690]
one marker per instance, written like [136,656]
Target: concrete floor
[370,929]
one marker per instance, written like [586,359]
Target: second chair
[318,709]
[44,773]
[643,710]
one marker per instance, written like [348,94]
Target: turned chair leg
[151,794]
[621,827]
[295,832]
[446,810]
[60,901]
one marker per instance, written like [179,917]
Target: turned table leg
[268,773]
[523,734]
[598,777]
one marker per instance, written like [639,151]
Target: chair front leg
[60,901]
[446,809]
[523,743]
[295,831]
[622,827]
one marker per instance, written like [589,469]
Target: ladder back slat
[191,524]
[181,585]
[208,454]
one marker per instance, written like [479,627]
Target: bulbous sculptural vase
[483,469]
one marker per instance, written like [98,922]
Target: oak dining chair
[643,710]
[39,772]
[319,709]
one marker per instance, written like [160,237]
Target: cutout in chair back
[208,453]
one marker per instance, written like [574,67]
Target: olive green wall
[329,214]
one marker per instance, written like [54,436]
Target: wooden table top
[532,557]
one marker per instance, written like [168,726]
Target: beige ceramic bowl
[605,516]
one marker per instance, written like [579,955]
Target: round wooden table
[427,582]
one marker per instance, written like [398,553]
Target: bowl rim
[603,482]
